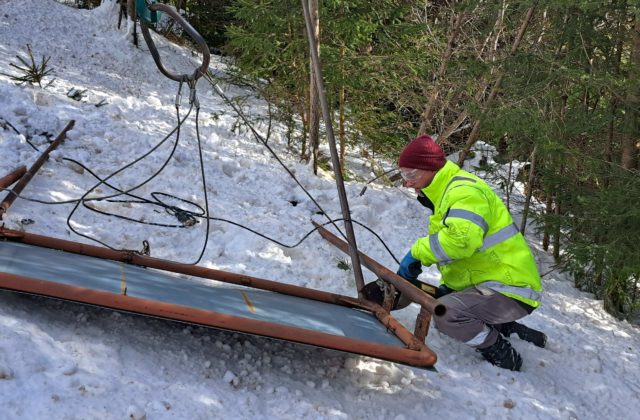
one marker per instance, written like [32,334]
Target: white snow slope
[65,361]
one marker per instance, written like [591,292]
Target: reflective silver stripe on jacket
[489,241]
[525,292]
[470,216]
[500,236]
[437,250]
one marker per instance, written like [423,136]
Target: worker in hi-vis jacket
[489,276]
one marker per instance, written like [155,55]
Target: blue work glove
[410,268]
[442,290]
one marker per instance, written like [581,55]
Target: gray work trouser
[472,311]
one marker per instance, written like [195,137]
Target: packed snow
[68,361]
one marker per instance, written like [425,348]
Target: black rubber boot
[501,354]
[537,338]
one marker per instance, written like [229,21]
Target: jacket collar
[435,190]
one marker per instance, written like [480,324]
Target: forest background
[554,83]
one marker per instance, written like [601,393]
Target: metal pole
[15,192]
[12,176]
[335,161]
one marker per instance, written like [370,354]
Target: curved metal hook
[190,31]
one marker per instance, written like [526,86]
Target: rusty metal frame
[425,298]
[414,353]
[12,176]
[26,177]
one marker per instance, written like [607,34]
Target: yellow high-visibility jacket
[473,240]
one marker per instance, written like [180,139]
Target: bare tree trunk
[425,124]
[608,150]
[479,96]
[341,128]
[614,102]
[508,191]
[305,136]
[314,102]
[442,138]
[631,139]
[495,34]
[530,181]
[341,105]
[131,9]
[557,211]
[494,90]
[548,209]
[131,21]
[291,127]
[461,117]
[636,286]
[556,233]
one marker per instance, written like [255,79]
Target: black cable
[364,189]
[183,216]
[257,135]
[204,182]
[103,181]
[187,218]
[332,221]
[12,127]
[19,133]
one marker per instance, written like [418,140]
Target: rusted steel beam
[406,288]
[15,192]
[422,324]
[12,176]
[421,356]
[398,329]
[389,298]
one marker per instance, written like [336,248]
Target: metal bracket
[143,12]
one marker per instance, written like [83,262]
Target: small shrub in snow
[30,71]
[343,265]
[76,94]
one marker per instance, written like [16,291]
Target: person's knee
[451,319]
[455,309]
[458,322]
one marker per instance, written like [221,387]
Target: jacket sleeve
[462,228]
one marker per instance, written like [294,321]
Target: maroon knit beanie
[422,153]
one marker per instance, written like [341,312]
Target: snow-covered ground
[66,361]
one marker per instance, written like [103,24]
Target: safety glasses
[410,174]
